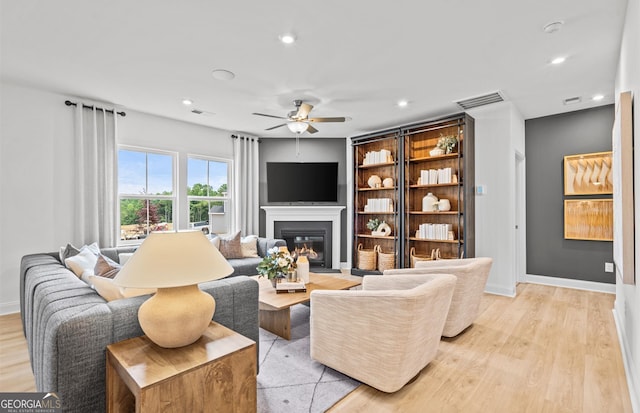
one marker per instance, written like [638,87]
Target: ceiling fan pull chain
[297,145]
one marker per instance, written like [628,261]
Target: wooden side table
[217,373]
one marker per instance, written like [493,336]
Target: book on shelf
[291,287]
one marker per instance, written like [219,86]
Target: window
[146,189]
[208,194]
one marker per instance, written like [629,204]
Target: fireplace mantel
[308,213]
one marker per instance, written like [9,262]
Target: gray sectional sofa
[68,325]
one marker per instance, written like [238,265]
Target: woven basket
[435,254]
[386,260]
[367,258]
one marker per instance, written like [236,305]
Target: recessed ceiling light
[597,97]
[287,38]
[223,74]
[403,103]
[187,102]
[558,60]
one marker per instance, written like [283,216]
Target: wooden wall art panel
[588,219]
[588,174]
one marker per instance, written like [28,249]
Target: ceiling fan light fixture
[297,127]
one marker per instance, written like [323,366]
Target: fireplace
[310,238]
[329,215]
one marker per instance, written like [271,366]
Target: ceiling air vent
[487,99]
[202,112]
[571,101]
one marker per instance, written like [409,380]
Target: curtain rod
[70,103]
[245,137]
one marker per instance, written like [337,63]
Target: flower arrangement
[373,224]
[275,264]
[447,143]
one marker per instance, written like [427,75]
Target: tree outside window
[208,194]
[146,190]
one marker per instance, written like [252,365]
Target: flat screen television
[302,181]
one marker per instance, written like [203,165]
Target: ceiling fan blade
[311,129]
[336,119]
[276,127]
[303,111]
[269,116]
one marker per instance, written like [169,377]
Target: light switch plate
[608,267]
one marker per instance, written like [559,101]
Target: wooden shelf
[376,189]
[373,213]
[435,158]
[376,165]
[435,185]
[435,212]
[374,236]
[445,241]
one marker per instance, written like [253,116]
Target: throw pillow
[215,241]
[108,290]
[123,257]
[249,245]
[105,267]
[69,251]
[230,246]
[85,260]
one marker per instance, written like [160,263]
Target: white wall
[627,305]
[36,171]
[499,134]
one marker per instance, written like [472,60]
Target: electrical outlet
[608,267]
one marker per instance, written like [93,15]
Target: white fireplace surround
[308,213]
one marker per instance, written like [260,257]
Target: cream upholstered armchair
[384,334]
[471,274]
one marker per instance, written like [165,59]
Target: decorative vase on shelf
[436,152]
[374,181]
[387,182]
[429,203]
[444,205]
[383,230]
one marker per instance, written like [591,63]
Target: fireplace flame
[309,252]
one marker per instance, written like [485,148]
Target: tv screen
[302,182]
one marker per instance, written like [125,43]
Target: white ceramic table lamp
[174,263]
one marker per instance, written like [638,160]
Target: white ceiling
[353,58]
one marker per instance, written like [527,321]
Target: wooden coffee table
[275,309]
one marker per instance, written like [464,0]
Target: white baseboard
[569,283]
[345,266]
[499,290]
[632,380]
[10,307]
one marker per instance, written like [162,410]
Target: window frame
[148,197]
[227,200]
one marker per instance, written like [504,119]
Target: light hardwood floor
[547,350]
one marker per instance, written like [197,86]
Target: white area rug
[289,381]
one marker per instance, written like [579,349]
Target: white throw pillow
[110,291]
[216,242]
[85,260]
[249,245]
[123,257]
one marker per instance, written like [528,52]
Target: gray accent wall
[311,150]
[548,140]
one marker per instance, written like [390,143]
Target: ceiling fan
[298,120]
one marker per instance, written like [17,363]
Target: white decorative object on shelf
[435,176]
[436,152]
[444,205]
[429,203]
[374,157]
[374,181]
[379,205]
[433,231]
[387,182]
[383,230]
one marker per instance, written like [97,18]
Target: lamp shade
[173,259]
[297,127]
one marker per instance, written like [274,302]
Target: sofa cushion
[249,245]
[85,260]
[230,246]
